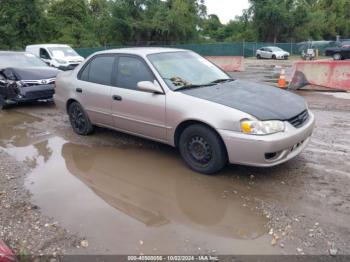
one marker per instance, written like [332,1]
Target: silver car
[271,52]
[179,98]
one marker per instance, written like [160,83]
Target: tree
[101,20]
[71,22]
[20,23]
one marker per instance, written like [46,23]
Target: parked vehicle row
[30,76]
[167,95]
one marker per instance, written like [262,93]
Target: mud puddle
[131,200]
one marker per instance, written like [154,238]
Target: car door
[347,52]
[135,111]
[269,53]
[263,52]
[93,88]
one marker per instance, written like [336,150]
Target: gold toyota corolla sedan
[179,98]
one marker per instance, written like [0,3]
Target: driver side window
[132,70]
[44,54]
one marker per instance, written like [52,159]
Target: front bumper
[284,57]
[34,93]
[269,150]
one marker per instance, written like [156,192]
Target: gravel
[22,227]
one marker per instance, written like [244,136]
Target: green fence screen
[246,49]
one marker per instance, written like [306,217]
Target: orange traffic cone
[282,80]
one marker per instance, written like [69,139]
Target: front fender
[181,108]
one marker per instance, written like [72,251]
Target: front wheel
[3,103]
[202,149]
[337,56]
[258,57]
[274,57]
[79,119]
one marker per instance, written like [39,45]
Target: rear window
[21,60]
[99,70]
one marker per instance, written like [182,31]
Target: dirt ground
[111,193]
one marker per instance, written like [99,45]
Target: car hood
[34,73]
[71,58]
[261,101]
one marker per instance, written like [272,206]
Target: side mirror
[150,87]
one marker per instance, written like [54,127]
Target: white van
[60,56]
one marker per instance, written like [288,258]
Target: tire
[3,104]
[273,57]
[337,56]
[202,149]
[79,120]
[258,57]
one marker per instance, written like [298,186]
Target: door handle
[117,98]
[79,90]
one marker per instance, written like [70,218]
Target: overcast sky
[226,9]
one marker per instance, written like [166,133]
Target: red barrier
[6,255]
[228,63]
[331,74]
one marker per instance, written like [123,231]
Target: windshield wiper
[222,80]
[192,86]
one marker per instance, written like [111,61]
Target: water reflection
[153,187]
[110,192]
[14,133]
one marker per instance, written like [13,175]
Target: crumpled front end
[32,90]
[14,91]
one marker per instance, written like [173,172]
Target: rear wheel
[337,56]
[202,149]
[273,57]
[79,119]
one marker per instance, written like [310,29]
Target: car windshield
[275,49]
[62,51]
[186,69]
[20,60]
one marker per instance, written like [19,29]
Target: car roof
[143,51]
[48,45]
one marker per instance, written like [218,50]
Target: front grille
[38,82]
[300,119]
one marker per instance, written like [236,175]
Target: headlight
[252,127]
[61,61]
[19,83]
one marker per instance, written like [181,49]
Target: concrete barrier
[228,63]
[6,255]
[331,74]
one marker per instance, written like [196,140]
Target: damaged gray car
[24,78]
